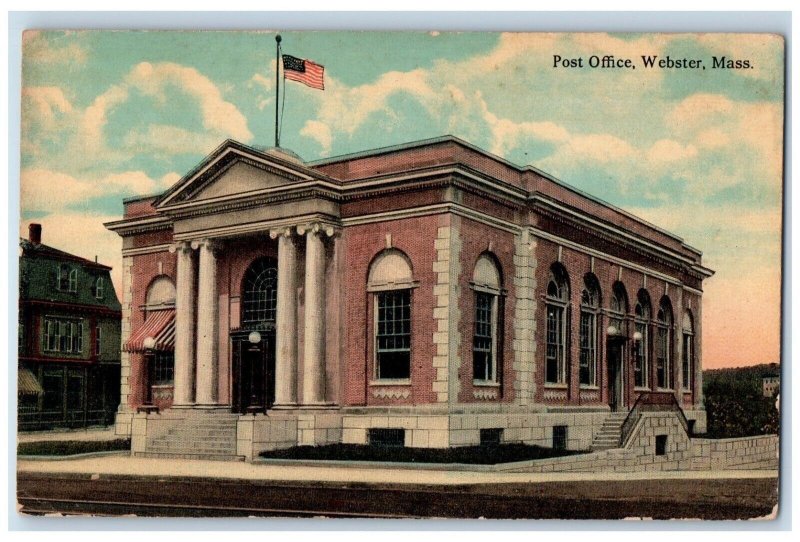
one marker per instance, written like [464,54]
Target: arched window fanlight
[556,325]
[487,283]
[260,293]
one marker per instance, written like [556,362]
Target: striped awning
[161,326]
[27,384]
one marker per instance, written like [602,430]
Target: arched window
[664,345]
[590,307]
[67,278]
[642,314]
[556,331]
[688,349]
[260,294]
[619,309]
[160,293]
[486,282]
[390,279]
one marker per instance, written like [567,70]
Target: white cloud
[667,150]
[218,114]
[166,139]
[43,190]
[38,50]
[320,133]
[47,101]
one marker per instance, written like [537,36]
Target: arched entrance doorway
[253,344]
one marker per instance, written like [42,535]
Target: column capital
[180,246]
[286,231]
[317,227]
[212,245]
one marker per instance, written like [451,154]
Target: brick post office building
[69,338]
[428,295]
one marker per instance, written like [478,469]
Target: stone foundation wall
[681,452]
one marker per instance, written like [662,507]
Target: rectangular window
[687,361]
[554,366]
[588,360]
[491,437]
[661,444]
[163,368]
[98,341]
[64,336]
[484,340]
[99,288]
[640,371]
[393,334]
[559,437]
[662,358]
[53,386]
[393,438]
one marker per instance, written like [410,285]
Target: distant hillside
[752,374]
[735,404]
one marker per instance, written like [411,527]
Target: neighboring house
[429,294]
[771,385]
[69,337]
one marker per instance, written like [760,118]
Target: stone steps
[607,437]
[196,435]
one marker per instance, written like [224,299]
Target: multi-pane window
[688,350]
[618,308]
[260,293]
[61,335]
[67,278]
[163,368]
[97,340]
[556,326]
[663,348]
[99,288]
[483,344]
[487,284]
[590,305]
[641,360]
[393,334]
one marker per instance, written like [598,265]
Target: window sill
[391,382]
[589,387]
[665,390]
[163,386]
[556,386]
[640,388]
[485,384]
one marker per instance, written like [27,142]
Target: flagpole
[277,85]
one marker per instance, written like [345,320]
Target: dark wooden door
[254,373]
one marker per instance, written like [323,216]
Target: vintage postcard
[400,275]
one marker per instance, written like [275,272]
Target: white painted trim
[601,255]
[255,227]
[618,231]
[145,250]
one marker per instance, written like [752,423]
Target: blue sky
[113,114]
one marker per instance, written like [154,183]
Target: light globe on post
[149,343]
[254,337]
[637,336]
[612,331]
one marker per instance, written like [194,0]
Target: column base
[284,406]
[318,406]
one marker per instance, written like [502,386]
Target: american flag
[303,71]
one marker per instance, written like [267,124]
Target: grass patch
[471,455]
[72,447]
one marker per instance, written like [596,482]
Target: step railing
[652,402]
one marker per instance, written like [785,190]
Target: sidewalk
[92,433]
[117,465]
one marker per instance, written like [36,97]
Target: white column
[314,337]
[207,323]
[184,324]
[286,320]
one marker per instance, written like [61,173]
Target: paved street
[41,493]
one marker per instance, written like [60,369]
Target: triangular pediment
[236,169]
[240,178]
